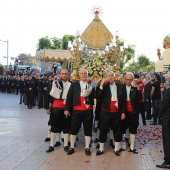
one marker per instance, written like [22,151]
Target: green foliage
[128,55]
[143,60]
[120,42]
[44,43]
[2,69]
[65,39]
[142,65]
[56,43]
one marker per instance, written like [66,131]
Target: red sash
[113,108]
[82,106]
[129,106]
[58,103]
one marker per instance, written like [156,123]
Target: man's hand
[123,116]
[48,111]
[67,113]
[104,81]
[138,86]
[45,88]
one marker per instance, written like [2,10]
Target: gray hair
[82,69]
[109,71]
[149,76]
[129,73]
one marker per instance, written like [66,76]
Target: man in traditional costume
[81,98]
[57,118]
[113,111]
[133,96]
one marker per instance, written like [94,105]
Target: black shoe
[39,107]
[96,140]
[117,153]
[87,152]
[66,148]
[50,149]
[70,151]
[20,103]
[120,150]
[99,153]
[134,151]
[164,165]
[98,146]
[47,139]
[154,123]
[57,144]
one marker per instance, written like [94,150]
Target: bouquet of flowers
[97,67]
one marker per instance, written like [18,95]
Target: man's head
[110,76]
[129,78]
[142,78]
[147,77]
[45,76]
[37,74]
[64,74]
[29,76]
[83,74]
[157,77]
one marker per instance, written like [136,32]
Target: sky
[143,23]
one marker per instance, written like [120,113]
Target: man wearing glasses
[133,96]
[112,110]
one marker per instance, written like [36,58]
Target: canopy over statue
[96,35]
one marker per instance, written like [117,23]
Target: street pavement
[22,146]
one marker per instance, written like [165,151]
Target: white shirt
[64,84]
[128,92]
[113,89]
[83,86]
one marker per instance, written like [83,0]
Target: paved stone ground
[22,146]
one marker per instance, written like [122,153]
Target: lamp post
[7,52]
